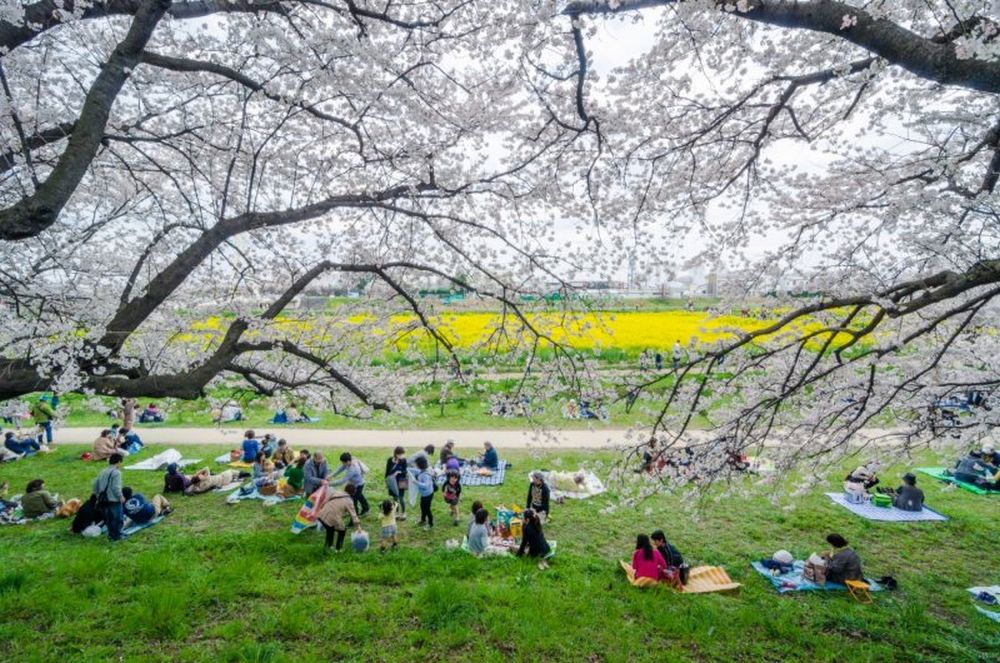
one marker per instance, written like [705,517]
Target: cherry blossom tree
[850,147]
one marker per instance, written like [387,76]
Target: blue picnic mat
[136,527]
[469,476]
[887,514]
[794,582]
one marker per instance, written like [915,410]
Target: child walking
[387,535]
[452,491]
[423,480]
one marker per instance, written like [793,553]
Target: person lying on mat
[647,562]
[842,562]
[538,496]
[204,481]
[973,470]
[37,501]
[175,481]
[908,497]
[670,554]
[140,510]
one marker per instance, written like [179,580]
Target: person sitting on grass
[37,501]
[20,447]
[295,476]
[331,515]
[425,487]
[250,447]
[533,540]
[175,481]
[452,492]
[479,532]
[387,532]
[283,455]
[105,446]
[490,459]
[354,475]
[268,445]
[989,455]
[647,562]
[204,481]
[908,497]
[129,440]
[842,562]
[972,470]
[670,554]
[140,510]
[538,496]
[477,506]
[152,414]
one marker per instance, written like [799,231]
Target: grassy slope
[218,582]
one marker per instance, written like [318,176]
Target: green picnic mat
[938,473]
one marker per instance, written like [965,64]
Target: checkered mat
[888,514]
[470,476]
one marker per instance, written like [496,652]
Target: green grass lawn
[230,583]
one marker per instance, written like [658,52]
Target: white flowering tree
[164,159]
[850,148]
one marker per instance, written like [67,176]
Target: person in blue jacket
[140,510]
[250,447]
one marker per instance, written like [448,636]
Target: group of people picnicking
[979,468]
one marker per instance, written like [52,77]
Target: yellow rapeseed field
[628,331]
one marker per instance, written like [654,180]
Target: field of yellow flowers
[629,332]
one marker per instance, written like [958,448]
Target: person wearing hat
[908,497]
[842,562]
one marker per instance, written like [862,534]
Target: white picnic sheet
[162,459]
[890,514]
[563,485]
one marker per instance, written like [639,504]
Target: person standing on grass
[427,452]
[387,531]
[315,473]
[355,476]
[452,492]
[533,540]
[43,414]
[424,482]
[677,354]
[339,503]
[250,447]
[397,479]
[538,496]
[108,489]
[647,562]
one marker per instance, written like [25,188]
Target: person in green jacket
[43,414]
[294,474]
[37,501]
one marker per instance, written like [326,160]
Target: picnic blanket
[239,495]
[701,580]
[162,459]
[890,514]
[236,464]
[995,591]
[562,485]
[137,527]
[939,474]
[502,546]
[228,487]
[15,515]
[470,476]
[306,517]
[794,582]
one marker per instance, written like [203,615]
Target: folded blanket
[794,582]
[701,580]
[162,459]
[225,459]
[939,474]
[885,514]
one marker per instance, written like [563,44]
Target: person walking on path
[43,414]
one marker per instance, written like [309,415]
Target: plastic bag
[359,541]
